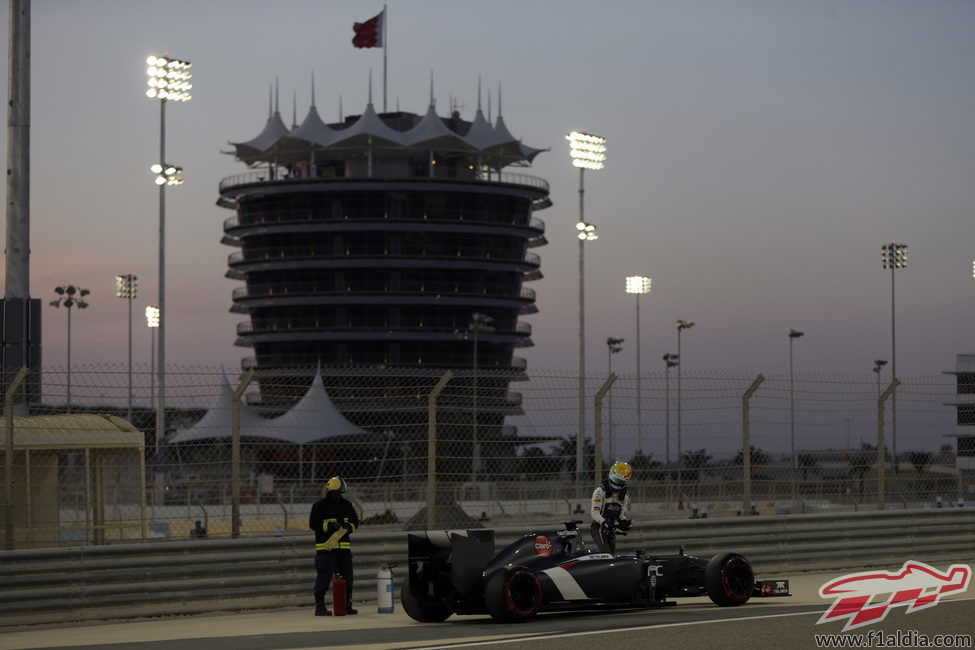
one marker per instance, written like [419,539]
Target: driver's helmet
[619,475]
[336,484]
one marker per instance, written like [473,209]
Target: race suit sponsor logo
[543,545]
[916,586]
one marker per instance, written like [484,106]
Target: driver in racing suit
[611,507]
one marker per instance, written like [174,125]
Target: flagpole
[384,57]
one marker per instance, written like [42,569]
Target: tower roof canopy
[368,131]
[254,150]
[432,133]
[495,146]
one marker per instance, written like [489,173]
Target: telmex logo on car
[543,545]
[916,586]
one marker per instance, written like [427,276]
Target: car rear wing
[450,563]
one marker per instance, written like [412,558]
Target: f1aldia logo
[916,586]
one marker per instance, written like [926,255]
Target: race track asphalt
[693,623]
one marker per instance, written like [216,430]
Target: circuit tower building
[367,246]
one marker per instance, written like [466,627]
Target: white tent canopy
[312,419]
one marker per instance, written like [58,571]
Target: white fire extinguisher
[384,588]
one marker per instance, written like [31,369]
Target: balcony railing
[233,223]
[262,326]
[275,175]
[290,254]
[278,290]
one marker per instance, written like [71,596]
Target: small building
[67,470]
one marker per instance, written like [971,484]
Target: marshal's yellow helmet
[336,484]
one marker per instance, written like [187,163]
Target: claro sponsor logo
[915,586]
[543,545]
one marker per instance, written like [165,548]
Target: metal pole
[581,416]
[431,494]
[152,376]
[893,366]
[129,412]
[639,395]
[746,442]
[17,280]
[69,359]
[598,422]
[161,369]
[667,408]
[8,458]
[609,356]
[792,423]
[680,462]
[235,454]
[475,452]
[881,460]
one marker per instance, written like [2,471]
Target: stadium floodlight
[588,151]
[168,79]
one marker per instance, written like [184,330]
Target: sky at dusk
[759,155]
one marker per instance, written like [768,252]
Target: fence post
[8,457]
[432,447]
[598,463]
[746,443]
[235,454]
[881,459]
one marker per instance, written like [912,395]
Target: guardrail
[200,576]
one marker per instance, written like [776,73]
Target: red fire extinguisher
[338,595]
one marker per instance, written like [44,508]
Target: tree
[920,460]
[806,462]
[758,460]
[646,465]
[694,462]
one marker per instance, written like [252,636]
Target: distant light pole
[588,151]
[168,80]
[894,257]
[638,285]
[126,286]
[793,335]
[614,346]
[152,320]
[681,326]
[70,296]
[670,360]
[479,323]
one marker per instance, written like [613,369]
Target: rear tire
[513,594]
[729,579]
[423,608]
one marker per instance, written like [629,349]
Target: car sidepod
[593,578]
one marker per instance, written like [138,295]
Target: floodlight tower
[638,285]
[793,335]
[168,81]
[70,296]
[152,321]
[588,151]
[894,257]
[126,286]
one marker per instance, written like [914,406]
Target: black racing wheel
[729,579]
[513,594]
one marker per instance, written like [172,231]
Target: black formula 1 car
[459,572]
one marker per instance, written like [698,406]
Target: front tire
[423,608]
[513,594]
[729,579]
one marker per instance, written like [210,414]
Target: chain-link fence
[500,448]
